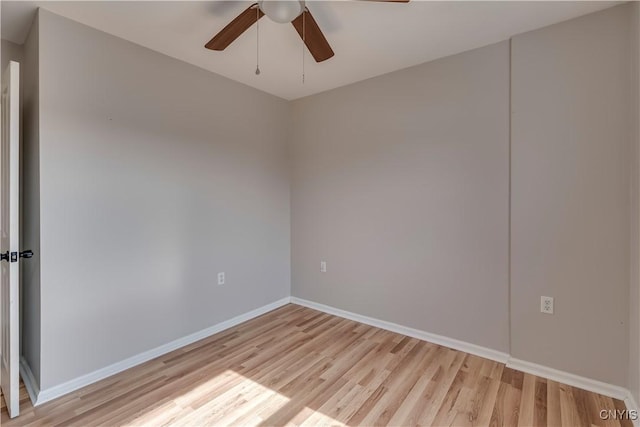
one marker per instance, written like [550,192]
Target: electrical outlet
[323,266]
[221,278]
[546,305]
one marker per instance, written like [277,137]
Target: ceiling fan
[284,11]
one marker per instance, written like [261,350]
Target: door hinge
[14,256]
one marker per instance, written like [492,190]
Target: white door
[9,242]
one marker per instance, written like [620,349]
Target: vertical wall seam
[509,198]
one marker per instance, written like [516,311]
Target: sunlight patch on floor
[315,418]
[227,399]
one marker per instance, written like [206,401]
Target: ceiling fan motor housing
[282,11]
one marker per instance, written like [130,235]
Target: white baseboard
[477,350]
[584,383]
[92,377]
[29,380]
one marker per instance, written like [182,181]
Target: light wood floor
[298,366]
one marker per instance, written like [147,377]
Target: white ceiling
[368,38]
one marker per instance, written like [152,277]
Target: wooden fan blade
[236,27]
[313,37]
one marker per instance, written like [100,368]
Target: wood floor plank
[488,398]
[569,410]
[444,377]
[540,405]
[620,406]
[554,413]
[297,366]
[527,401]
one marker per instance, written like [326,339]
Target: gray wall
[634,294]
[30,220]
[154,176]
[572,134]
[401,184]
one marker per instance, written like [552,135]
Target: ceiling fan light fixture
[282,11]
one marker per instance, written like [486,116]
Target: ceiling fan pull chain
[257,41]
